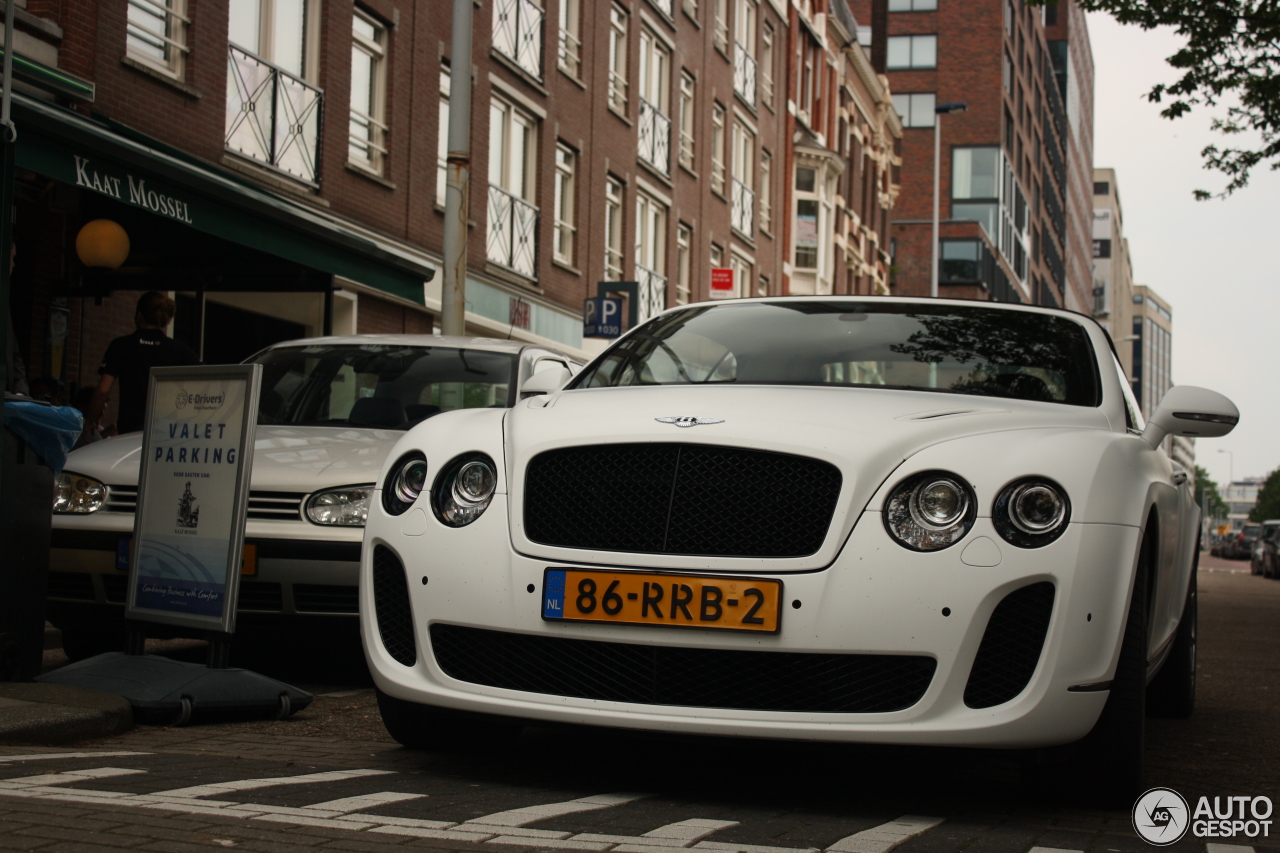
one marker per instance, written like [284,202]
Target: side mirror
[1187,410]
[545,382]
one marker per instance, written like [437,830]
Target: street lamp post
[938,112]
[1231,477]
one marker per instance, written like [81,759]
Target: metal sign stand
[184,563]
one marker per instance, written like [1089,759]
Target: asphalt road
[590,789]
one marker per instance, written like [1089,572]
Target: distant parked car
[1263,559]
[1240,546]
[330,410]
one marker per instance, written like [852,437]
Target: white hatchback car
[834,518]
[330,411]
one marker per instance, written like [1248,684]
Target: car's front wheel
[1173,692]
[427,727]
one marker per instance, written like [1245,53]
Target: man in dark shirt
[129,361]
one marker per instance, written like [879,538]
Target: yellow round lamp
[102,244]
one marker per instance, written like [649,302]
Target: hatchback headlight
[76,493]
[465,489]
[407,480]
[348,506]
[1031,512]
[930,511]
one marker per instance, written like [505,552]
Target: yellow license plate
[660,598]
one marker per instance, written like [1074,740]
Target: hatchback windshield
[960,349]
[376,385]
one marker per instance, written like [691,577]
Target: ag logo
[180,402]
[1161,816]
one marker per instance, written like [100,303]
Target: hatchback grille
[391,604]
[121,499]
[262,505]
[77,585]
[115,587]
[680,499]
[1011,646]
[325,598]
[666,675]
[260,595]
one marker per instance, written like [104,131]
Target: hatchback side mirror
[546,381]
[1192,411]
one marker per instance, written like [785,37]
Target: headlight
[348,507]
[1031,512]
[405,483]
[74,493]
[463,492]
[930,511]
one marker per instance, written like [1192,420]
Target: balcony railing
[744,75]
[273,116]
[517,33]
[743,214]
[513,232]
[653,291]
[655,137]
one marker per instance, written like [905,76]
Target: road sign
[721,283]
[601,317]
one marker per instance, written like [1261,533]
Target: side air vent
[1011,646]
[391,604]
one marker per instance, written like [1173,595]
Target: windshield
[961,349]
[378,385]
[1250,531]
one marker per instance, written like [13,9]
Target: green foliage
[1214,505]
[1268,505]
[1231,60]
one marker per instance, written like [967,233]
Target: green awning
[67,147]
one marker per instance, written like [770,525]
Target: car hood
[865,432]
[285,458]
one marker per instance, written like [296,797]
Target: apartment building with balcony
[1014,203]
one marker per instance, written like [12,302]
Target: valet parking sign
[197,455]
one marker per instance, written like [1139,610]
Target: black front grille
[1011,646]
[680,499]
[391,604]
[77,585]
[700,678]
[260,595]
[325,598]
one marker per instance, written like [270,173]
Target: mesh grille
[1011,646]
[391,604]
[680,499]
[700,678]
[260,595]
[325,598]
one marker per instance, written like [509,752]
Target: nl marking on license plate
[660,598]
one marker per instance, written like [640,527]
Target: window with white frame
[913,52]
[744,51]
[743,214]
[717,257]
[157,34]
[651,254]
[766,65]
[513,218]
[517,33]
[655,110]
[566,186]
[368,130]
[717,148]
[688,119]
[808,215]
[570,54]
[742,274]
[442,140]
[913,5]
[765,198]
[916,109]
[684,264]
[612,229]
[618,25]
[721,25]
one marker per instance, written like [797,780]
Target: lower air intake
[391,604]
[1011,646]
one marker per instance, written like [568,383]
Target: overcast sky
[1215,261]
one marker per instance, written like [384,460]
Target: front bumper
[876,598]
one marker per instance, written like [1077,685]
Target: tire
[87,642]
[1172,693]
[427,727]
[1109,761]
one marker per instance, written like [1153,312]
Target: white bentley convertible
[843,519]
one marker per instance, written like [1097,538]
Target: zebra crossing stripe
[252,784]
[51,756]
[883,838]
[47,779]
[1227,848]
[532,814]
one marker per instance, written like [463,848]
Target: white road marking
[721,847]
[50,756]
[346,805]
[532,814]
[883,838]
[1052,850]
[251,784]
[1227,848]
[69,776]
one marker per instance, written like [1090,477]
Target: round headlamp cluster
[405,483]
[930,511]
[73,493]
[465,489]
[346,507]
[1031,512]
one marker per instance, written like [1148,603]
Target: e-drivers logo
[199,401]
[1161,817]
